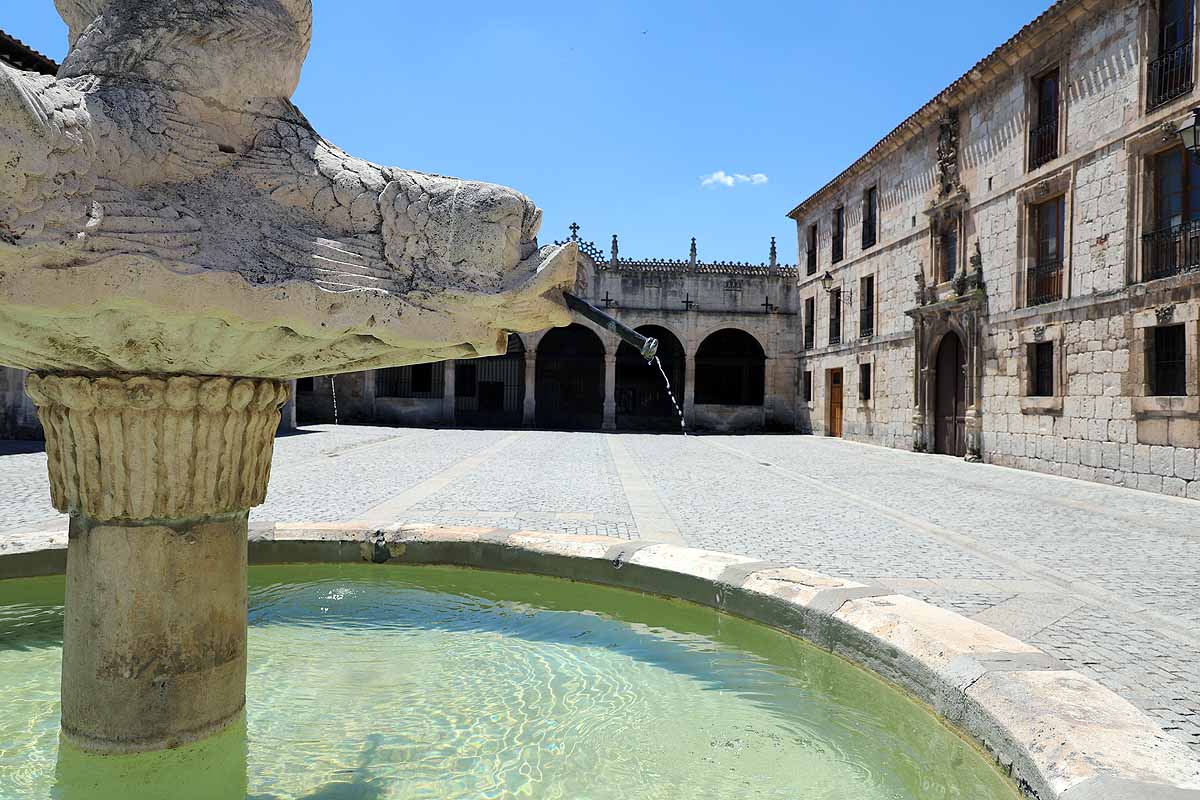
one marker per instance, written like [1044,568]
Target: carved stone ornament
[165,208]
[921,285]
[140,448]
[947,154]
[1165,314]
[1039,333]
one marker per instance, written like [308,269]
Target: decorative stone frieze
[142,447]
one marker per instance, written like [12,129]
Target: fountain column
[158,475]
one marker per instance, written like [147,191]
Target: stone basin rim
[1058,734]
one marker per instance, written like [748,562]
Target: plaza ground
[1105,579]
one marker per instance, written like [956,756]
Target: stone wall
[1101,422]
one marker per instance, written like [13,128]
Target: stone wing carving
[164,208]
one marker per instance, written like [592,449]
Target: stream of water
[671,394]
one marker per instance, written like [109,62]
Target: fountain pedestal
[158,475]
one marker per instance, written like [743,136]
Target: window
[420,381]
[835,316]
[811,268]
[948,250]
[1174,244]
[866,308]
[1168,362]
[1170,74]
[1043,279]
[810,323]
[1041,369]
[870,223]
[1043,136]
[839,233]
[808,386]
[422,378]
[466,379]
[864,382]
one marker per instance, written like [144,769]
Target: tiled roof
[17,54]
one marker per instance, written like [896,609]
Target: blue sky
[613,113]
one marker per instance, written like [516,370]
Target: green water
[371,682]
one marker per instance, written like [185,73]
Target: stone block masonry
[1036,305]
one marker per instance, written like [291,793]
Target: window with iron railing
[835,316]
[870,224]
[1168,361]
[839,234]
[419,381]
[1170,74]
[811,255]
[1043,279]
[1041,369]
[1043,136]
[866,307]
[810,324]
[864,382]
[1173,246]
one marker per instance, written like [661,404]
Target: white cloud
[723,178]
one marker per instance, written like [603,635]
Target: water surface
[370,682]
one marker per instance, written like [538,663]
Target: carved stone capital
[155,447]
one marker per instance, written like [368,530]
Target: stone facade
[687,300]
[967,262]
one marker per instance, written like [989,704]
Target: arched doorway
[642,399]
[730,369]
[950,401]
[570,379]
[490,392]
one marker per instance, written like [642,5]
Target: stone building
[18,417]
[727,331]
[1013,273]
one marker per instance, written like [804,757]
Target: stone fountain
[176,241]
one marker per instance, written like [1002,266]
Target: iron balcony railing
[869,233]
[1043,143]
[835,330]
[1170,76]
[866,322]
[1171,251]
[1043,283]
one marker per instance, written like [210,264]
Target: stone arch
[570,378]
[703,334]
[730,369]
[642,399]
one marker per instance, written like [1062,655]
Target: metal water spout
[645,345]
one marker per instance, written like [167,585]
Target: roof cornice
[22,56]
[997,64]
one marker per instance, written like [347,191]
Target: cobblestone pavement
[1106,579]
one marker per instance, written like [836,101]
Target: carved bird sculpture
[164,208]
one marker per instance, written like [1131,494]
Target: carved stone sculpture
[175,239]
[165,208]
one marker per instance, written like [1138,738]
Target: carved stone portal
[176,239]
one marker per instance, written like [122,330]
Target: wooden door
[835,402]
[950,411]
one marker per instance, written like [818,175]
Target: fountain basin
[1057,733]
